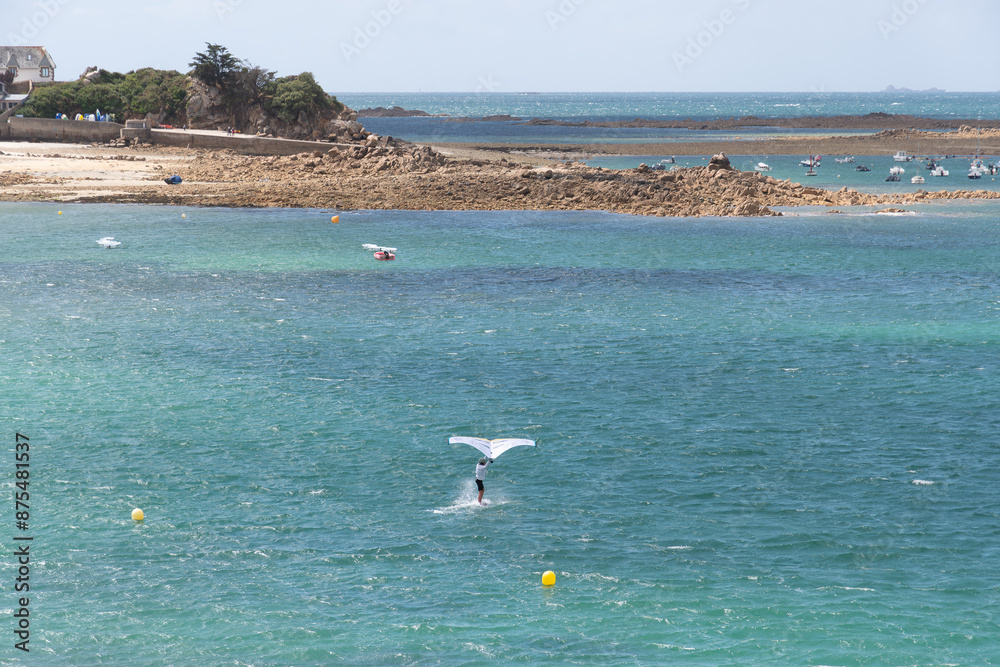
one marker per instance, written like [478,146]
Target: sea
[451,111]
[759,441]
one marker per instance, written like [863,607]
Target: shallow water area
[759,441]
[831,175]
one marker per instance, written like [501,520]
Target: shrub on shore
[247,93]
[132,95]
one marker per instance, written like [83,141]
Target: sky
[537,45]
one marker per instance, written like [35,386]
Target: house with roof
[21,67]
[28,63]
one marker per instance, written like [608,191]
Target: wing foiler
[492,448]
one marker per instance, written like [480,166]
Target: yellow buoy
[60,212]
[335,219]
[137,515]
[184,215]
[549,578]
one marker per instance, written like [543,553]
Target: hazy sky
[538,45]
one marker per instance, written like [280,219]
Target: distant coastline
[871,121]
[395,112]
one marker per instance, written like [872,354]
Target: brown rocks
[378,175]
[718,162]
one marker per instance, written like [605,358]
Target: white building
[23,63]
[28,63]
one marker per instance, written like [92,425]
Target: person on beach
[484,463]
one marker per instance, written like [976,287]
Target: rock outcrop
[207,109]
[393,112]
[378,175]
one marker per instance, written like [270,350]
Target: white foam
[923,482]
[463,506]
[466,501]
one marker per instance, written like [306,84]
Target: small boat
[762,166]
[662,165]
[669,160]
[901,156]
[939,171]
[844,160]
[897,171]
[812,161]
[812,172]
[917,180]
[862,167]
[893,178]
[381,253]
[109,242]
[977,170]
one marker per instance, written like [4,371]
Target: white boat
[917,180]
[977,170]
[109,242]
[901,156]
[844,160]
[812,172]
[762,166]
[939,171]
[812,161]
[897,171]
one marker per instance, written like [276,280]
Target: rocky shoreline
[420,178]
[965,141]
[872,121]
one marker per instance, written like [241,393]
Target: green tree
[148,90]
[216,66]
[48,100]
[104,96]
[295,94]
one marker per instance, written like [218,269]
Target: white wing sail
[492,448]
[503,444]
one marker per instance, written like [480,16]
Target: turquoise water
[761,441]
[658,106]
[832,175]
[699,106]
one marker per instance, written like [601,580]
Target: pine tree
[216,67]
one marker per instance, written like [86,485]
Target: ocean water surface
[832,175]
[761,441]
[695,106]
[576,107]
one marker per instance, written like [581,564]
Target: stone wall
[83,131]
[52,129]
[239,143]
